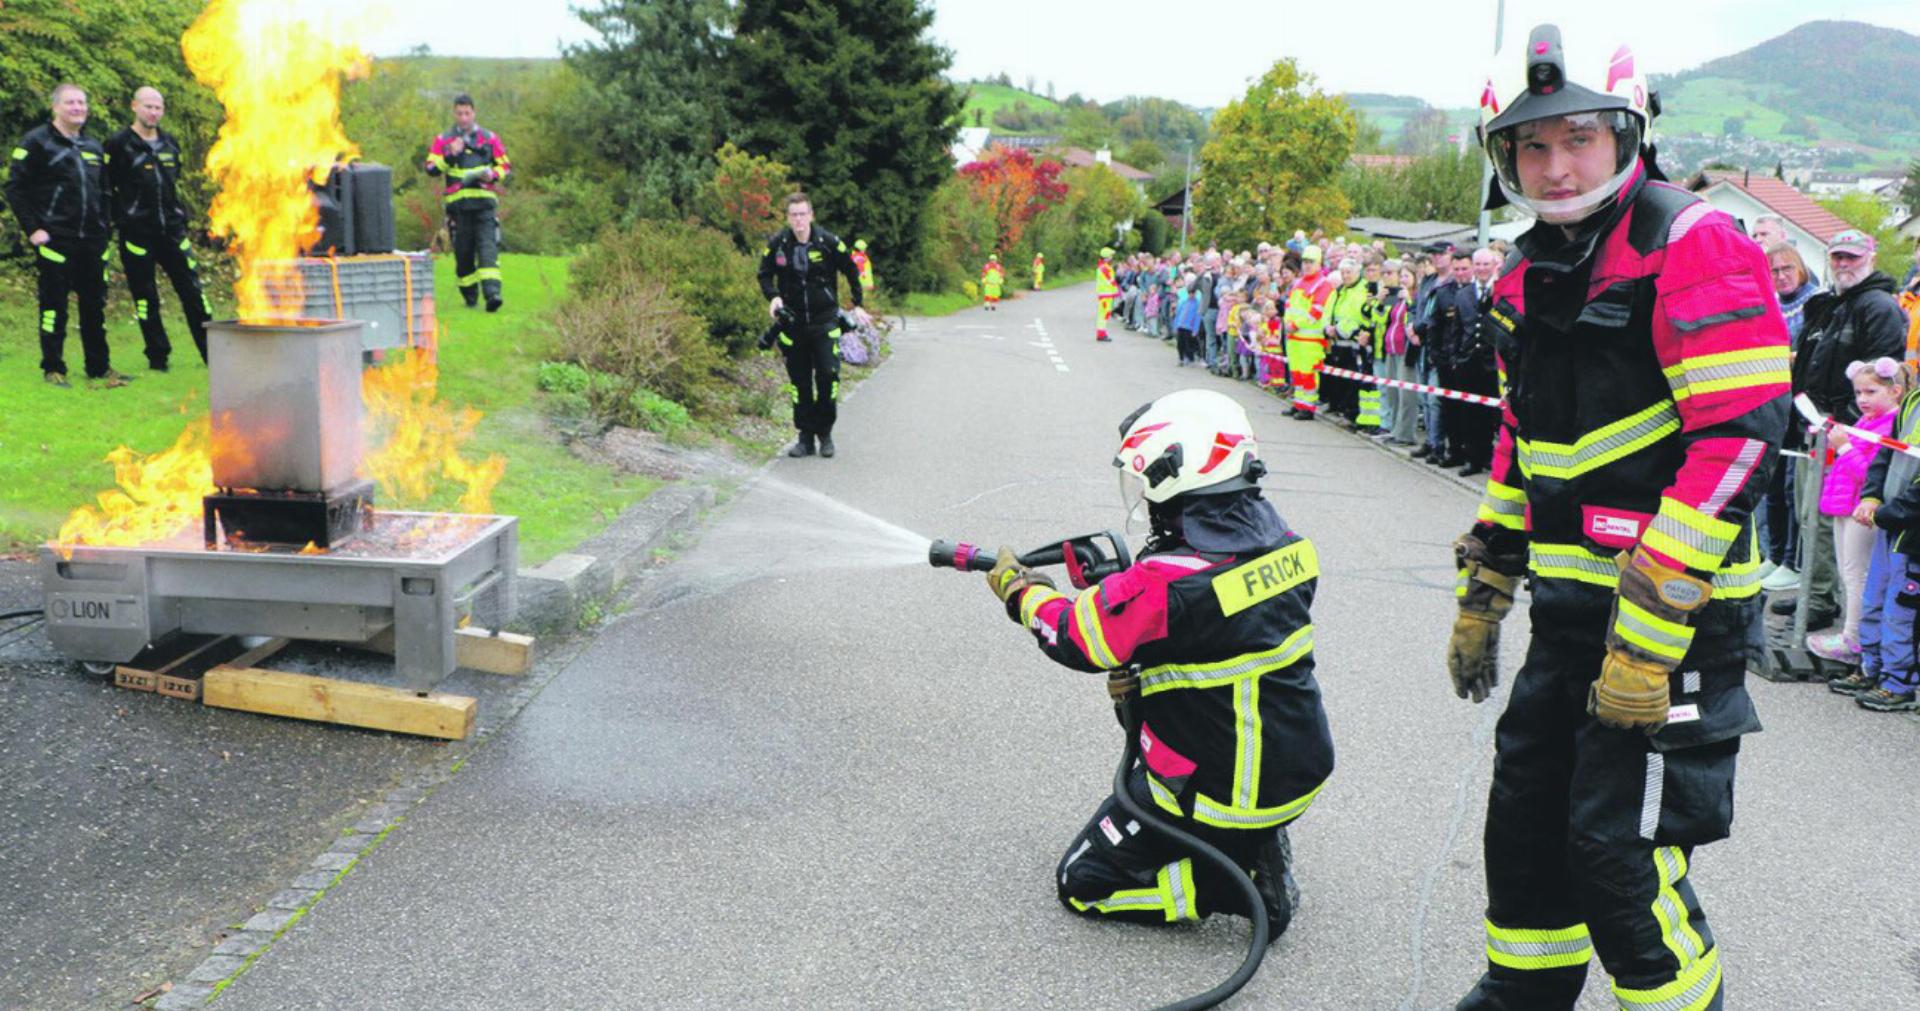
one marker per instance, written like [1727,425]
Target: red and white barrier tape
[1805,405]
[1471,398]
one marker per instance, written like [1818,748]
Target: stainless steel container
[285,399]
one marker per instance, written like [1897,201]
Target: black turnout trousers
[76,267]
[813,376]
[139,255]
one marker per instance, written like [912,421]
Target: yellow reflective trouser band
[135,250]
[487,273]
[1086,616]
[1676,930]
[1246,752]
[140,308]
[1518,948]
[184,245]
[1172,895]
[1032,598]
[1655,634]
[834,394]
[1729,370]
[1462,581]
[1163,795]
[1689,536]
[1601,446]
[1693,989]
[1167,677]
[47,319]
[1504,506]
[47,251]
[793,392]
[469,280]
[1212,812]
[1566,561]
[472,194]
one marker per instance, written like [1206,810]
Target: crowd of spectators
[1414,318]
[1423,318]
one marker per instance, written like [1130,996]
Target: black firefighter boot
[803,446]
[826,445]
[1273,879]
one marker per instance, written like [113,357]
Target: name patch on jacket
[1266,577]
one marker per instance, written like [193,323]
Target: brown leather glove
[1485,595]
[1648,638]
[1009,577]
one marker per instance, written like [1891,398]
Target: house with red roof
[1748,196]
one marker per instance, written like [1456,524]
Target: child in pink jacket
[1877,388]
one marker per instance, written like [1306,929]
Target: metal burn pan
[413,572]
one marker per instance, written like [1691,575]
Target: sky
[1206,54]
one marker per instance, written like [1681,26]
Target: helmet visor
[1559,168]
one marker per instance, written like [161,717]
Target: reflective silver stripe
[1668,902]
[1078,852]
[1576,459]
[1744,312]
[1177,891]
[1697,539]
[1682,1001]
[1650,801]
[1247,701]
[1566,557]
[1538,949]
[1153,901]
[1735,476]
[1297,645]
[1727,579]
[1629,624]
[1690,682]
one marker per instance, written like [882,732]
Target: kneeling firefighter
[1214,617]
[1646,397]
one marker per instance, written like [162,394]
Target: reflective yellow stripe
[1690,536]
[1086,614]
[472,193]
[1738,580]
[1601,446]
[468,280]
[1538,949]
[1176,884]
[1693,989]
[1676,930]
[47,251]
[488,273]
[1212,812]
[1032,598]
[1568,561]
[1651,632]
[1504,506]
[1167,677]
[1163,795]
[1246,752]
[19,153]
[135,250]
[1728,370]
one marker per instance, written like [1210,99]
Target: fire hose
[1087,563]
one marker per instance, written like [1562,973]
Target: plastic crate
[392,293]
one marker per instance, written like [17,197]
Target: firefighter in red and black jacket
[1233,739]
[474,163]
[1646,380]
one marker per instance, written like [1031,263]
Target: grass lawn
[988,99]
[946,303]
[53,442]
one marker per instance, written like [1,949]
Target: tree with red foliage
[1014,188]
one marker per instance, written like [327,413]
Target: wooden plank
[253,656]
[477,649]
[326,700]
[133,677]
[176,662]
[178,686]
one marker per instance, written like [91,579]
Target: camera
[781,321]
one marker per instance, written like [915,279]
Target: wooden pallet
[193,668]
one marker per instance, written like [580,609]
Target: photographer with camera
[797,277]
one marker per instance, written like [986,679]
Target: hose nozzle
[959,555]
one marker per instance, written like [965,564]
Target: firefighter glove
[1485,593]
[1009,577]
[1647,639]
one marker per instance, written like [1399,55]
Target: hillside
[1409,125]
[1830,83]
[984,100]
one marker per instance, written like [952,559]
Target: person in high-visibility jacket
[992,276]
[1306,323]
[1039,270]
[1105,290]
[473,162]
[865,264]
[1215,616]
[1347,321]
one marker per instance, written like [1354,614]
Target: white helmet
[1189,442]
[1545,81]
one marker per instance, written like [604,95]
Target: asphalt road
[806,771]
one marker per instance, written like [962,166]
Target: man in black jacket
[58,192]
[1858,321]
[797,277]
[143,163]
[1469,348]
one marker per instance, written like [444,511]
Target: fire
[156,496]
[414,439]
[278,75]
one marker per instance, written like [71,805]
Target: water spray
[1088,560]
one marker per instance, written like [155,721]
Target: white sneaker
[1782,578]
[1766,568]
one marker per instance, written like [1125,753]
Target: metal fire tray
[414,573]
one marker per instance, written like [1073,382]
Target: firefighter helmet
[1584,84]
[860,244]
[1189,442]
[1106,252]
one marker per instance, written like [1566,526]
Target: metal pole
[1186,198]
[1486,167]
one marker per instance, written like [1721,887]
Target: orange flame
[416,438]
[279,78]
[157,496]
